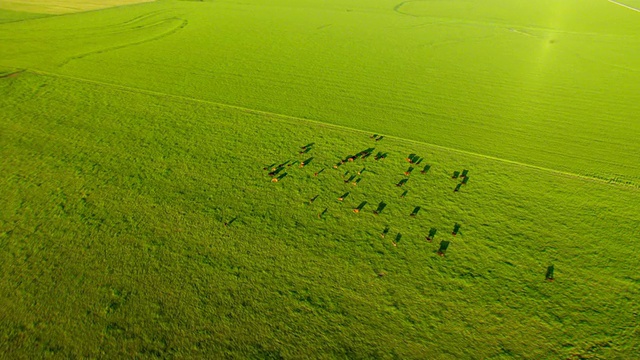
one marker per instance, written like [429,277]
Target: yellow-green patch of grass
[63,6]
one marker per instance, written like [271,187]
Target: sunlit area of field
[331,179]
[63,6]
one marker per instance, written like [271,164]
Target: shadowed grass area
[113,243]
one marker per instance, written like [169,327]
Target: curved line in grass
[399,6]
[182,25]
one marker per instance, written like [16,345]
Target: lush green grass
[13,16]
[62,6]
[113,240]
[116,188]
[550,83]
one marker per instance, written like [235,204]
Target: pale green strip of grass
[62,6]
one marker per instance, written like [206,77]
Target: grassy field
[532,82]
[63,6]
[137,218]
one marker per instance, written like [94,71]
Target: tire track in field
[631,185]
[182,25]
[400,5]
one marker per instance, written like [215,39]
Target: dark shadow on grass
[283,164]
[380,156]
[549,275]
[360,207]
[385,231]
[456,229]
[364,152]
[444,245]
[432,234]
[349,158]
[282,176]
[415,211]
[397,239]
[276,171]
[381,207]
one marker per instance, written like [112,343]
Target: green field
[63,6]
[137,218]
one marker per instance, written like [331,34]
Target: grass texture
[137,218]
[63,6]
[548,83]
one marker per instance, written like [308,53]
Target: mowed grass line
[113,241]
[355,130]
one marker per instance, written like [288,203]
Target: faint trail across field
[400,5]
[183,23]
[318,122]
[624,5]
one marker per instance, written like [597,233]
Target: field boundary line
[341,127]
[624,5]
